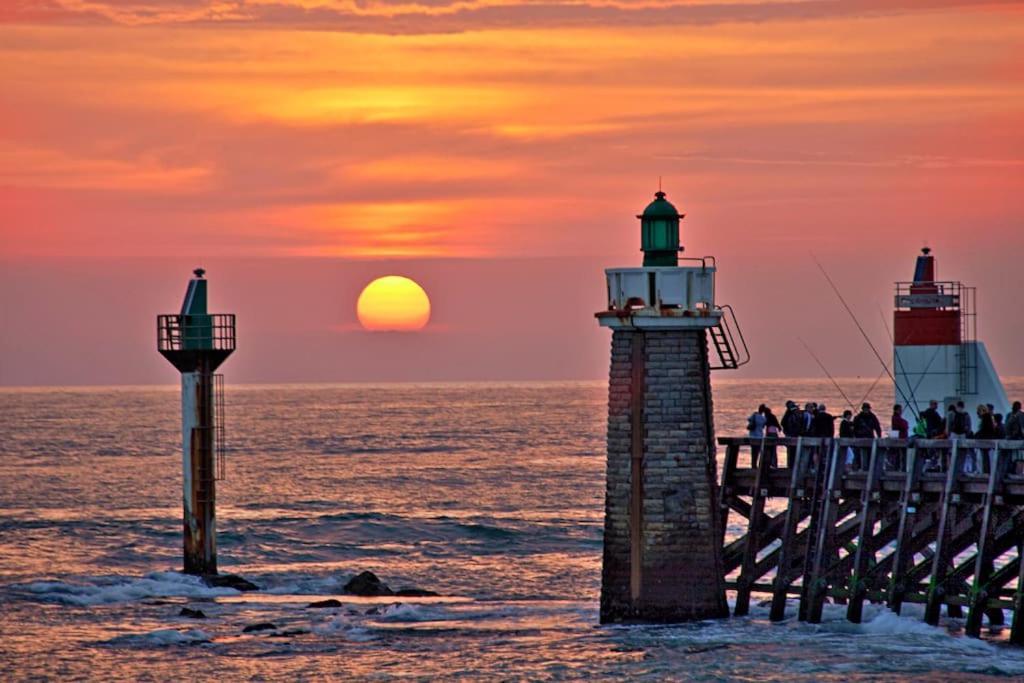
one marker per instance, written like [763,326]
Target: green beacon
[659,232]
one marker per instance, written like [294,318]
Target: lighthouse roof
[660,208]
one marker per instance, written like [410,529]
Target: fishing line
[864,334]
[827,373]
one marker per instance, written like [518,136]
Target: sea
[489,494]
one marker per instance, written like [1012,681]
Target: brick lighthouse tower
[196,343]
[662,535]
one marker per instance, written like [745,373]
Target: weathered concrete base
[662,559]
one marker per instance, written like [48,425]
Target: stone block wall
[659,381]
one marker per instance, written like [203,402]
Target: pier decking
[890,521]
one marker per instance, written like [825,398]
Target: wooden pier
[889,521]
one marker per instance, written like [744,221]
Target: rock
[367,585]
[415,593]
[192,613]
[263,626]
[230,581]
[320,604]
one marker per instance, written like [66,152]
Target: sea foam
[108,590]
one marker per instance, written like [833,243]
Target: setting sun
[393,304]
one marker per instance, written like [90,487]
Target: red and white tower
[936,354]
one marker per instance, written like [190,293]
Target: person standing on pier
[755,430]
[1015,431]
[865,426]
[934,423]
[959,426]
[792,420]
[1015,423]
[824,424]
[899,423]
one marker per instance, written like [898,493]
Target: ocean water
[490,494]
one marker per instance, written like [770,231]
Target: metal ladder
[731,347]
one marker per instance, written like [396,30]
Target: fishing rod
[827,373]
[873,385]
[899,361]
[864,334]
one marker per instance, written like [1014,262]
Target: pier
[908,521]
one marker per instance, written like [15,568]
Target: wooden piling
[876,535]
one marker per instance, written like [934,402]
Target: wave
[161,638]
[109,590]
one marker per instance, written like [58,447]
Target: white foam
[341,625]
[108,590]
[164,637]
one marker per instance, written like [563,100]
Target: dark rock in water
[230,581]
[415,593]
[367,585]
[192,613]
[319,604]
[263,626]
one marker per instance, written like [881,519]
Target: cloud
[443,16]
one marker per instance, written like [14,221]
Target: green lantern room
[659,232]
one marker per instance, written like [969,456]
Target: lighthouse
[196,342]
[663,531]
[936,353]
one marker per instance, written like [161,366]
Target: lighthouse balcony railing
[938,294]
[176,332]
[685,287]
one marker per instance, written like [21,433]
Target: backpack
[959,425]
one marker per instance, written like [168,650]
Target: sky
[496,151]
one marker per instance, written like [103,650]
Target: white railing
[685,288]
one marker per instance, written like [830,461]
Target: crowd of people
[814,420]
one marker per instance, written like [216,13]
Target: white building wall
[925,373]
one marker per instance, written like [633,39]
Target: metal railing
[175,332]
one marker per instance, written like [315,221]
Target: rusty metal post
[198,469]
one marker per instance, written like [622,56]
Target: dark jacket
[987,428]
[934,423]
[866,425]
[823,425]
[846,429]
[1015,425]
[793,422]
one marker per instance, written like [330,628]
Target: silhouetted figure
[755,430]
[793,420]
[1015,430]
[771,432]
[823,425]
[1015,422]
[865,426]
[960,423]
[899,423]
[934,424]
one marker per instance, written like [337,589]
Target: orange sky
[422,130]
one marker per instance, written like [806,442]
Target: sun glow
[393,304]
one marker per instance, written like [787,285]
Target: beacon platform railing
[176,332]
[690,288]
[891,521]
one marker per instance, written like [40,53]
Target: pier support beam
[662,559]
